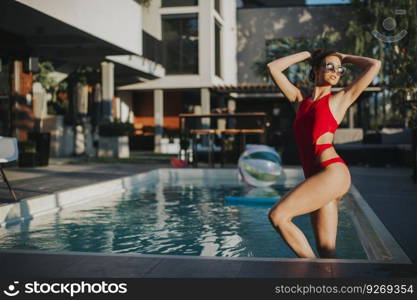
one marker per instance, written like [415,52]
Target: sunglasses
[330,67]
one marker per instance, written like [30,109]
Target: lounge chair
[8,153]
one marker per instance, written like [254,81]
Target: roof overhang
[257,90]
[34,33]
[25,32]
[148,68]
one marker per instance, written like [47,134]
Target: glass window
[173,3]
[180,43]
[152,47]
[5,105]
[218,57]
[4,77]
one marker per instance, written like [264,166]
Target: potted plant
[114,139]
[27,154]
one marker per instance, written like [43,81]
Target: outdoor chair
[8,153]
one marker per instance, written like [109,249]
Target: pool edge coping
[384,237]
[185,257]
[127,181]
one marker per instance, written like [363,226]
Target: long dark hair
[316,60]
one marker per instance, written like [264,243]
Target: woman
[327,177]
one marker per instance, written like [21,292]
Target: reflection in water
[185,219]
[160,213]
[261,192]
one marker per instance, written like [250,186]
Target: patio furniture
[8,153]
[242,133]
[210,132]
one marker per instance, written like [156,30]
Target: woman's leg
[315,192]
[324,222]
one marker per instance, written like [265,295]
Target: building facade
[165,58]
[199,51]
[70,34]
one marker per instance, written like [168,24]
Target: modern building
[209,51]
[167,57]
[115,38]
[199,52]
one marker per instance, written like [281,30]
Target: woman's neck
[320,91]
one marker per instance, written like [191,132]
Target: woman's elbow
[376,62]
[273,66]
[378,65]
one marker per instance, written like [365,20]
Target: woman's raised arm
[370,68]
[276,67]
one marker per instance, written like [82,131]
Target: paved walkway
[59,175]
[389,191]
[392,195]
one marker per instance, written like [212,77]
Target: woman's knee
[278,216]
[327,251]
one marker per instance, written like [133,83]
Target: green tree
[87,75]
[43,76]
[399,64]
[398,73]
[298,73]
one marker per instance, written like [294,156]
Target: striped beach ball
[259,165]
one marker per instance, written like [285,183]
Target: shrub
[27,147]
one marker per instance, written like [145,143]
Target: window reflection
[217,48]
[180,39]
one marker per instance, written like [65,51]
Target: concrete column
[158,100]
[117,108]
[81,104]
[221,122]
[107,81]
[39,101]
[352,116]
[231,105]
[20,134]
[197,111]
[126,108]
[16,76]
[79,147]
[231,108]
[97,96]
[206,39]
[82,99]
[205,106]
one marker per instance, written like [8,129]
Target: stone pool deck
[390,192]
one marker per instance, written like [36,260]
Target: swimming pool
[172,212]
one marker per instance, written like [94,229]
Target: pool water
[178,219]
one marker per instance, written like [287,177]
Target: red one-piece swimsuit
[313,119]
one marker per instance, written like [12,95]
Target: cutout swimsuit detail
[313,120]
